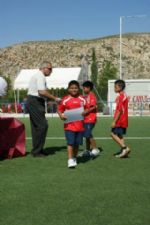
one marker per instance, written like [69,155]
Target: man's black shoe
[44,153]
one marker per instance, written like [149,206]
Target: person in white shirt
[37,92]
[3,86]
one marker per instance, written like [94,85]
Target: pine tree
[94,69]
[109,72]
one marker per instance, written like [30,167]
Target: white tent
[59,77]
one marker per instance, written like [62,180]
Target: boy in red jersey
[120,120]
[90,119]
[73,130]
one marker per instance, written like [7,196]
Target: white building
[138,92]
[59,78]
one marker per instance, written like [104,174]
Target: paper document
[74,114]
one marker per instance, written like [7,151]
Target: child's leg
[70,137]
[95,151]
[75,151]
[122,140]
[118,139]
[93,143]
[88,143]
[124,149]
[70,151]
[78,141]
[71,154]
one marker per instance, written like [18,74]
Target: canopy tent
[23,78]
[59,77]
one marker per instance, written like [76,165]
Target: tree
[94,69]
[109,72]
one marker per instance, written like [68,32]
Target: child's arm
[116,119]
[92,106]
[87,111]
[60,111]
[120,111]
[61,115]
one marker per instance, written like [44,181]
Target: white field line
[52,115]
[97,138]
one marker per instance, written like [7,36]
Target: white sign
[138,92]
[74,115]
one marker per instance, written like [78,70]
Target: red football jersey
[122,105]
[68,103]
[90,102]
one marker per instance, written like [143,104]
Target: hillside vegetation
[68,53]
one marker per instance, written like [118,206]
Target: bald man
[37,92]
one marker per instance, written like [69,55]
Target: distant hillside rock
[68,53]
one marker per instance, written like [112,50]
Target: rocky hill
[68,53]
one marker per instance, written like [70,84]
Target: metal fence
[104,108]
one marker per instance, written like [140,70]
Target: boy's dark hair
[120,83]
[74,82]
[89,84]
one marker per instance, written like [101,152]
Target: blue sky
[30,20]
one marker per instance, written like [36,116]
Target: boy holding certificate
[70,110]
[90,120]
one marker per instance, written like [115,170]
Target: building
[138,92]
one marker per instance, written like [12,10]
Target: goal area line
[97,138]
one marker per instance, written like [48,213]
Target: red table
[12,138]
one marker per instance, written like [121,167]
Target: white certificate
[73,115]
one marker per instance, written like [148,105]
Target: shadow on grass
[84,159]
[53,150]
[5,157]
[47,151]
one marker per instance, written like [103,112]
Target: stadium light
[121,22]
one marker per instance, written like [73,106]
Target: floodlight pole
[120,47]
[121,19]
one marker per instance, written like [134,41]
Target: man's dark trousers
[39,125]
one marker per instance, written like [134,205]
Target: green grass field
[104,191]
